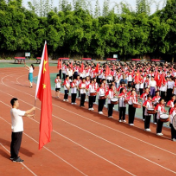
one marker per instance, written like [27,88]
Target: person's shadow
[7,143]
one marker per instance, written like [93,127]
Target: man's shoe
[18,160]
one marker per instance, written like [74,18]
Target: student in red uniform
[82,88]
[143,97]
[57,85]
[148,105]
[170,103]
[122,105]
[131,109]
[102,97]
[160,110]
[73,91]
[91,89]
[110,94]
[172,114]
[66,88]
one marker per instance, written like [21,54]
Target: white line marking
[20,163]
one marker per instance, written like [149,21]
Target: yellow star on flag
[44,68]
[44,86]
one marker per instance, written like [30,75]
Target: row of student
[124,99]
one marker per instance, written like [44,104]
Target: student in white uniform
[66,88]
[73,91]
[17,129]
[172,114]
[57,85]
[101,91]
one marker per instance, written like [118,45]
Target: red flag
[156,77]
[43,93]
[82,68]
[161,80]
[107,73]
[59,65]
[137,77]
[97,68]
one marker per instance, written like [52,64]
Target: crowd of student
[149,85]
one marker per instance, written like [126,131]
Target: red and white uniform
[132,99]
[101,92]
[148,105]
[96,85]
[91,89]
[172,114]
[57,83]
[82,87]
[144,97]
[161,110]
[122,97]
[66,83]
[110,94]
[73,88]
[170,103]
[156,99]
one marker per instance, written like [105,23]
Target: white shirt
[58,84]
[121,101]
[163,88]
[17,120]
[148,106]
[70,73]
[152,83]
[73,89]
[101,92]
[170,84]
[31,70]
[83,88]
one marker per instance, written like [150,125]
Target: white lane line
[20,163]
[109,142]
[106,125]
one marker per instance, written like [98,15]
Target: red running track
[83,142]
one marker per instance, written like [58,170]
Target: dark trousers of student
[131,114]
[94,99]
[60,73]
[147,122]
[101,103]
[15,144]
[154,118]
[110,110]
[143,111]
[73,97]
[64,75]
[159,126]
[91,100]
[82,100]
[163,95]
[122,111]
[173,132]
[66,95]
[169,94]
[141,91]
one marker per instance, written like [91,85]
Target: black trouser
[82,100]
[147,121]
[60,74]
[75,75]
[141,91]
[64,75]
[71,77]
[110,109]
[163,95]
[94,98]
[155,118]
[131,114]
[130,84]
[122,111]
[91,100]
[169,94]
[173,132]
[79,95]
[101,103]
[15,144]
[66,95]
[73,97]
[143,113]
[159,126]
